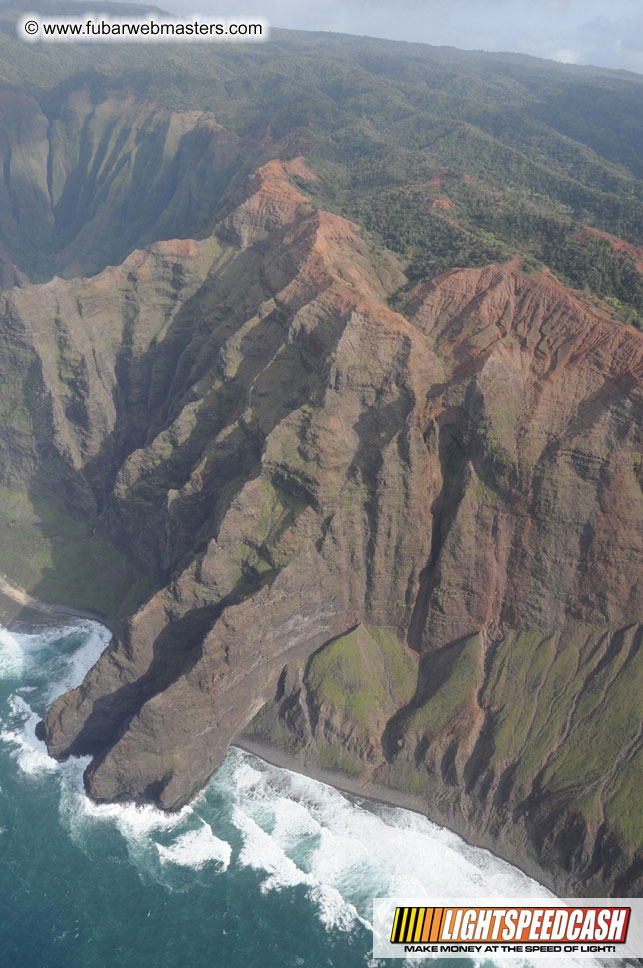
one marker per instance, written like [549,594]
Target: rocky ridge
[409,541]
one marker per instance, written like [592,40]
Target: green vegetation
[450,158]
[362,675]
[481,227]
[570,723]
[406,224]
[578,259]
[57,559]
[269,728]
[356,681]
[270,545]
[14,407]
[454,691]
[332,756]
[515,692]
[623,809]
[607,728]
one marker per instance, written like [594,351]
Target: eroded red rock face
[298,459]
[542,397]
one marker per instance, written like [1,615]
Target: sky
[608,33]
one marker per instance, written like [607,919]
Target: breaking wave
[196,848]
[11,656]
[290,834]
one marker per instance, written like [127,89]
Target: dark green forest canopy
[526,151]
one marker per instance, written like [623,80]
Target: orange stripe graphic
[428,921]
[437,924]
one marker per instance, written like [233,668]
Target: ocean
[265,868]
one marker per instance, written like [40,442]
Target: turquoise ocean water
[266,868]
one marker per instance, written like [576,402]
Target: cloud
[567,56]
[613,43]
[573,31]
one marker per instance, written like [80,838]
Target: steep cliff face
[86,177]
[430,519]
[524,724]
[279,435]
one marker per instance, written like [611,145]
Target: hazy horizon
[585,32]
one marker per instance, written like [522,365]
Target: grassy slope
[573,725]
[57,559]
[358,679]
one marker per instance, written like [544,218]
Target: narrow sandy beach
[354,787]
[385,796]
[17,605]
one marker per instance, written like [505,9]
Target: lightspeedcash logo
[547,928]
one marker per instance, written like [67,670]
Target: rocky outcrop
[450,496]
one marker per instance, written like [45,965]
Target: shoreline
[386,797]
[353,787]
[18,606]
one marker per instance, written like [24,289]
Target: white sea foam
[348,853]
[196,848]
[66,669]
[29,752]
[47,651]
[22,652]
[298,831]
[333,910]
[394,851]
[11,656]
[292,823]
[135,822]
[83,659]
[247,777]
[262,853]
[293,831]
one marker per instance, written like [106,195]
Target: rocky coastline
[405,540]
